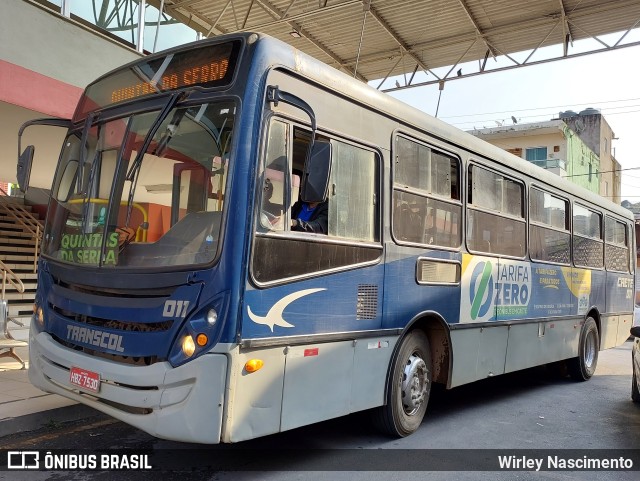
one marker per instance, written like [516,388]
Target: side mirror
[317,172]
[635,331]
[25,161]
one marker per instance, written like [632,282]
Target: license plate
[85,379]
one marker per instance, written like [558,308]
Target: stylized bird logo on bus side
[274,316]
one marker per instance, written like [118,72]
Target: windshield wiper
[173,100]
[134,170]
[170,131]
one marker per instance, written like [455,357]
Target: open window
[351,207]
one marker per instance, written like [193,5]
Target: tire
[635,393]
[408,389]
[581,368]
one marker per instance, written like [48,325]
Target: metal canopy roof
[379,39]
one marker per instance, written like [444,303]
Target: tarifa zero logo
[494,290]
[481,290]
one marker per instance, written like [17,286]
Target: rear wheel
[409,387]
[581,368]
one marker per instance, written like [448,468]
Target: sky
[608,81]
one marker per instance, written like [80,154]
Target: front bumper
[181,404]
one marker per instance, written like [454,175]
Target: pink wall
[31,90]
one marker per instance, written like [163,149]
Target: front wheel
[409,387]
[581,368]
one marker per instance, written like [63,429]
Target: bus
[175,295]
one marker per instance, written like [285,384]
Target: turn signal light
[202,339]
[253,365]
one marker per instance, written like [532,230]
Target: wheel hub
[414,384]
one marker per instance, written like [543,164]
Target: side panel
[620,296]
[317,383]
[255,399]
[537,343]
[624,325]
[478,353]
[300,385]
[609,331]
[370,365]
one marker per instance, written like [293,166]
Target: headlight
[199,332]
[188,346]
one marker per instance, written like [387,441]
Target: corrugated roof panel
[437,33]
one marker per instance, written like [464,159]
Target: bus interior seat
[409,223]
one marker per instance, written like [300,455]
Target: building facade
[596,133]
[576,146]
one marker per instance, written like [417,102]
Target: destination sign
[207,66]
[197,75]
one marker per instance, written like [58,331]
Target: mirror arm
[275,95]
[25,161]
[52,121]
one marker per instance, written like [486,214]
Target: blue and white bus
[174,295]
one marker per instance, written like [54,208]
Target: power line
[547,115]
[540,108]
[602,172]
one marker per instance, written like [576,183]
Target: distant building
[575,146]
[594,131]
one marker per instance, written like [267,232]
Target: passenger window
[588,248]
[352,193]
[616,252]
[496,222]
[549,234]
[426,195]
[274,179]
[352,212]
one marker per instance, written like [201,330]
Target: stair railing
[23,217]
[12,277]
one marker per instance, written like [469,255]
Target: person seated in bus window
[271,207]
[310,217]
[271,214]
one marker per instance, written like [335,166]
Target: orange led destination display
[203,66]
[201,74]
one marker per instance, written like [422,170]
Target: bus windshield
[147,191]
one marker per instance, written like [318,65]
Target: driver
[310,217]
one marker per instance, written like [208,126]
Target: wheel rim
[415,382]
[590,349]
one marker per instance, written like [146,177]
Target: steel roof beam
[477,28]
[511,67]
[280,19]
[404,47]
[184,3]
[187,15]
[214,24]
[567,36]
[279,14]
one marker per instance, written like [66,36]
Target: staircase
[20,234]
